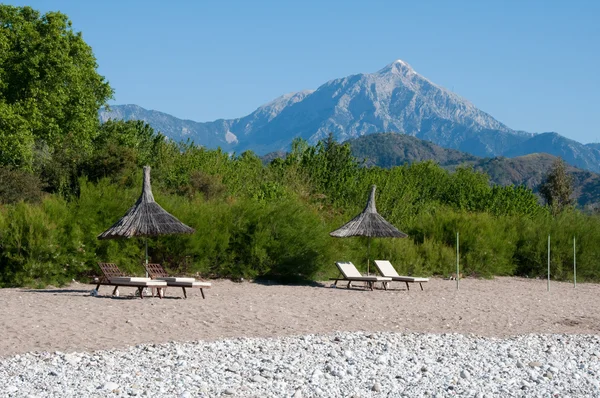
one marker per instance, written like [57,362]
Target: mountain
[207,134]
[388,150]
[394,99]
[593,145]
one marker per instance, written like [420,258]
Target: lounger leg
[184,293]
[202,293]
[384,285]
[335,283]
[420,284]
[98,287]
[160,292]
[348,285]
[371,284]
[407,287]
[141,292]
[115,291]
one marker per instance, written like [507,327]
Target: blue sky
[533,65]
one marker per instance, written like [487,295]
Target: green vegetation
[50,91]
[273,221]
[557,188]
[391,149]
[64,179]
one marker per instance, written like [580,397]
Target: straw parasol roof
[368,223]
[146,218]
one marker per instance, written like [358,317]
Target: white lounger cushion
[129,279]
[146,282]
[370,278]
[176,279]
[189,284]
[350,272]
[387,269]
[409,279]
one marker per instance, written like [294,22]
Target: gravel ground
[349,364]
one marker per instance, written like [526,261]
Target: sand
[69,319]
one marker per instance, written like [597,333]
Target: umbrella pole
[368,253]
[146,239]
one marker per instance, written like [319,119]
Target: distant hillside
[574,153]
[390,149]
[530,170]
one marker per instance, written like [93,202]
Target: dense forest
[65,178]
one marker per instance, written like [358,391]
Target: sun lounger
[350,273]
[157,272]
[386,269]
[112,276]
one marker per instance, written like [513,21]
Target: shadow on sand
[87,292]
[58,291]
[355,286]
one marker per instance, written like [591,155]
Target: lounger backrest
[156,271]
[110,270]
[386,268]
[348,269]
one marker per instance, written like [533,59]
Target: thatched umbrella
[146,218]
[370,224]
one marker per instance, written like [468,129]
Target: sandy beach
[69,319]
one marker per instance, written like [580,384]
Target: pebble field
[356,364]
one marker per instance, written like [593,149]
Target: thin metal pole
[457,261]
[574,265]
[548,262]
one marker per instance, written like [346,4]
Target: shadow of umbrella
[146,218]
[369,223]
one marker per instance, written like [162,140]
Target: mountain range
[394,99]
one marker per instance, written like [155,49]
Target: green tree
[331,167]
[50,90]
[557,188]
[122,147]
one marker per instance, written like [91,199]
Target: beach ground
[70,319]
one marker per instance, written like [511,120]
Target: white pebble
[110,386]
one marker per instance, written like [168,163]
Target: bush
[19,185]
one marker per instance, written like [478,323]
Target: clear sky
[532,64]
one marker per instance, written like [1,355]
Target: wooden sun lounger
[157,272]
[350,273]
[112,276]
[387,269]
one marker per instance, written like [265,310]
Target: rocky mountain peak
[398,67]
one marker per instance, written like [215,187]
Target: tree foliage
[557,188]
[50,91]
[19,185]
